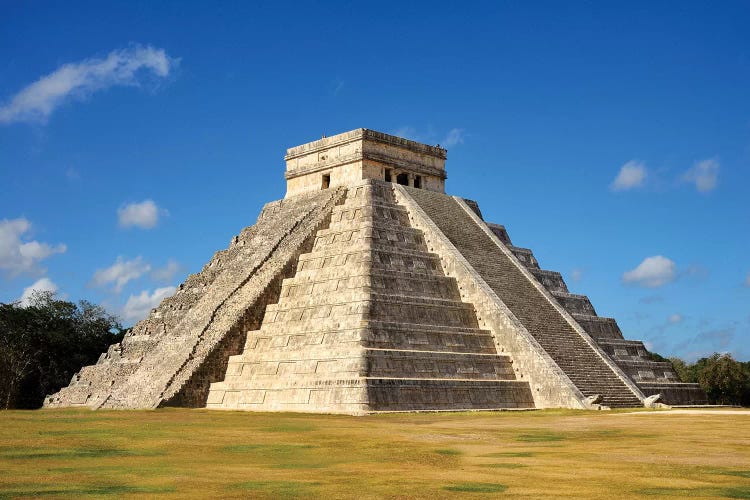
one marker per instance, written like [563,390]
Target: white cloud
[167,272]
[576,274]
[631,175]
[18,256]
[652,272]
[138,306]
[72,174]
[675,318]
[37,101]
[704,174]
[42,285]
[120,273]
[406,132]
[144,214]
[455,136]
[747,280]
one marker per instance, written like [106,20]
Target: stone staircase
[171,357]
[369,322]
[632,357]
[587,368]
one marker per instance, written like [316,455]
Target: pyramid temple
[368,289]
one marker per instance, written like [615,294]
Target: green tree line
[44,343]
[725,380]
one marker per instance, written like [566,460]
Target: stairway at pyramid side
[633,363]
[171,357]
[369,323]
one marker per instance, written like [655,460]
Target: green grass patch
[81,491]
[541,437]
[70,453]
[448,451]
[291,427]
[511,454]
[279,489]
[275,449]
[476,487]
[728,472]
[725,492]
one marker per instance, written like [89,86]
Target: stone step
[409,394]
[368,228]
[586,367]
[379,281]
[574,304]
[378,254]
[419,337]
[598,327]
[500,232]
[393,363]
[322,336]
[525,255]
[551,280]
[632,350]
[676,393]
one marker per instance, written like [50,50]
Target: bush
[44,344]
[725,380]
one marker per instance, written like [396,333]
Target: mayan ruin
[367,288]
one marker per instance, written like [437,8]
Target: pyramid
[368,289]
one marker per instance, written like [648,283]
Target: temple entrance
[402,179]
[326,181]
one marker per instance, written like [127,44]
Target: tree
[685,371]
[723,378]
[43,344]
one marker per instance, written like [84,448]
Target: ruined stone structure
[368,289]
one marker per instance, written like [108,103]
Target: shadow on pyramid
[368,289]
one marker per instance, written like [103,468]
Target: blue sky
[136,139]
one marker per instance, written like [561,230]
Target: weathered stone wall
[369,323]
[631,356]
[550,387]
[360,154]
[163,352]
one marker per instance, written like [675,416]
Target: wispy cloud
[704,174]
[138,306]
[337,86]
[41,285]
[675,318]
[167,272]
[653,272]
[631,175]
[747,280]
[120,273]
[77,81]
[144,214]
[651,299]
[407,132]
[18,256]
[576,274]
[454,137]
[72,174]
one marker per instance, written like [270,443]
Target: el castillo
[369,288]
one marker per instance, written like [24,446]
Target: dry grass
[198,453]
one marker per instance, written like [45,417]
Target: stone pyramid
[368,289]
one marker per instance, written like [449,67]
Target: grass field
[196,453]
